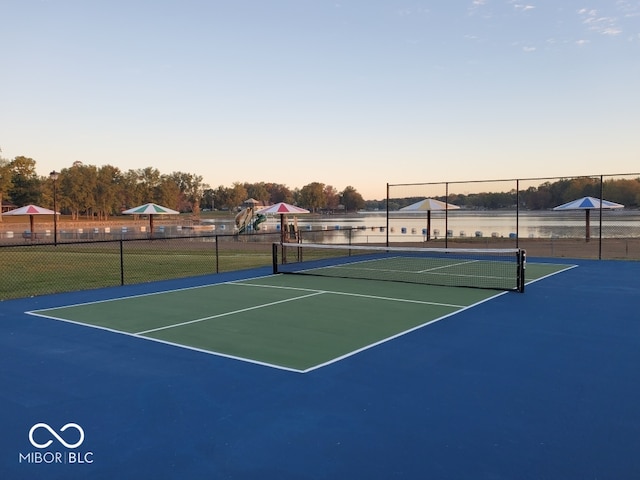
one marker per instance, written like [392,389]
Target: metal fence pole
[121,262]
[387,228]
[217,256]
[446,215]
[600,221]
[517,213]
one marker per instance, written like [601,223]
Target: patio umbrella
[428,205]
[283,209]
[150,209]
[31,210]
[587,204]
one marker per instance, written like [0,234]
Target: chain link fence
[38,268]
[492,214]
[522,213]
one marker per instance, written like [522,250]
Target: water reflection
[505,224]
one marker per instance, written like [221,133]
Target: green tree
[236,195]
[208,200]
[191,189]
[6,182]
[25,187]
[221,197]
[258,191]
[129,194]
[168,193]
[78,186]
[108,185]
[581,187]
[312,196]
[624,191]
[279,193]
[149,180]
[351,199]
[331,198]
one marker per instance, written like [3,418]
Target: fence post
[518,213]
[600,225]
[446,215]
[387,233]
[274,257]
[217,256]
[121,262]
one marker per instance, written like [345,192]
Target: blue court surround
[541,385]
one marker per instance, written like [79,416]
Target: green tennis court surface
[291,322]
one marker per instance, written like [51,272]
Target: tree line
[545,196]
[100,192]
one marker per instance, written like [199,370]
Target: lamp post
[54,176]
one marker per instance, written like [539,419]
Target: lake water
[370,227]
[545,224]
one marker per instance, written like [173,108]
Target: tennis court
[303,322]
[251,375]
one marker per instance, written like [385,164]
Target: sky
[354,93]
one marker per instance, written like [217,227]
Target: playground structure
[248,220]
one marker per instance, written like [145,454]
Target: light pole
[54,176]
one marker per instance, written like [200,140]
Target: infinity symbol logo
[58,437]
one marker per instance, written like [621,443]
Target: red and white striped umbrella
[283,209]
[31,210]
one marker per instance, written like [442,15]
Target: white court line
[256,362]
[447,266]
[400,334]
[361,295]
[233,312]
[139,295]
[166,342]
[347,266]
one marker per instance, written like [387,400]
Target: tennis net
[501,269]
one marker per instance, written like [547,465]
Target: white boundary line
[417,327]
[346,294]
[166,342]
[140,335]
[226,314]
[569,267]
[400,334]
[314,292]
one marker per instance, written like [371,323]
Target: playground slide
[259,219]
[243,218]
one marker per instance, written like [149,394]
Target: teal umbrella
[150,209]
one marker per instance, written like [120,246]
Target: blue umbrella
[587,204]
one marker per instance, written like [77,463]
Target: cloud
[476,5]
[523,8]
[628,9]
[602,24]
